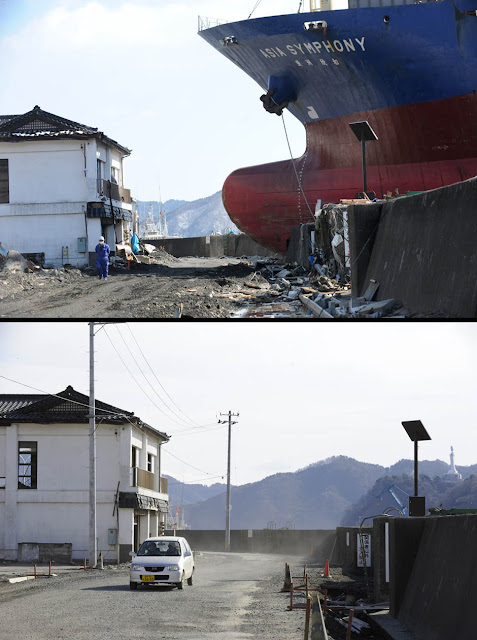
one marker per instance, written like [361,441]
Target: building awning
[140,501]
[103,210]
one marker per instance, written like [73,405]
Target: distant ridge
[320,495]
[191,219]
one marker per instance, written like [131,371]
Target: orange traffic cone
[326,573]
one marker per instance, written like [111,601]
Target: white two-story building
[61,188]
[44,477]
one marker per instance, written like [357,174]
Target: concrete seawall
[318,543]
[234,246]
[433,587]
[422,249]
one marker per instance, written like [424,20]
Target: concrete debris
[316,310]
[371,290]
[15,262]
[384,306]
[143,259]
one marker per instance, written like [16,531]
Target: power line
[159,382]
[189,465]
[136,381]
[147,380]
[186,428]
[170,484]
[197,431]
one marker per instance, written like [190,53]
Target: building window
[4,183]
[27,464]
[114,175]
[99,175]
[134,457]
[150,463]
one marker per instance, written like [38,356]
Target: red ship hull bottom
[420,147]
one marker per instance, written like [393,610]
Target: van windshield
[159,548]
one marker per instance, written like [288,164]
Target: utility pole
[92,455]
[93,543]
[228,506]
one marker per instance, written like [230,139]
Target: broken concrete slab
[370,292]
[143,259]
[383,306]
[316,310]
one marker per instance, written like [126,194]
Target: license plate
[147,578]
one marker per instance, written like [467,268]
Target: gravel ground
[189,287]
[234,597]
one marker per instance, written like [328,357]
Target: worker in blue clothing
[102,258]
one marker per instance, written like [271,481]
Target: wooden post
[350,623]
[307,617]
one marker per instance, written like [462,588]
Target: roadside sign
[364,549]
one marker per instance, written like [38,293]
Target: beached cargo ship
[409,69]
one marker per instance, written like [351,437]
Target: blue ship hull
[410,70]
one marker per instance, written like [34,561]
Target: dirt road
[186,287]
[234,596]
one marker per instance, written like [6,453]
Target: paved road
[234,597]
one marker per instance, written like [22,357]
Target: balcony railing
[110,189]
[142,478]
[145,480]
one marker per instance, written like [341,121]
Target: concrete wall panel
[425,250]
[439,601]
[318,544]
[212,246]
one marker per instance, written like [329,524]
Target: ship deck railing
[208,23]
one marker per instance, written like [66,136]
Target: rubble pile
[18,275]
[321,296]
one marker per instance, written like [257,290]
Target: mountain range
[338,490]
[190,219]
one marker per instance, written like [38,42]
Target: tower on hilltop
[452,475]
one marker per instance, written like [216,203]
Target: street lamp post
[416,432]
[364,133]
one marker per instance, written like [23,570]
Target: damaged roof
[68,406]
[41,124]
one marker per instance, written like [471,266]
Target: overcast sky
[139,72]
[304,391]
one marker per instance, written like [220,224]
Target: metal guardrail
[208,23]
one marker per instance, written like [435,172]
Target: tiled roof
[68,406]
[42,124]
[8,404]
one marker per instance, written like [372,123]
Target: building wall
[57,511]
[50,183]
[45,171]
